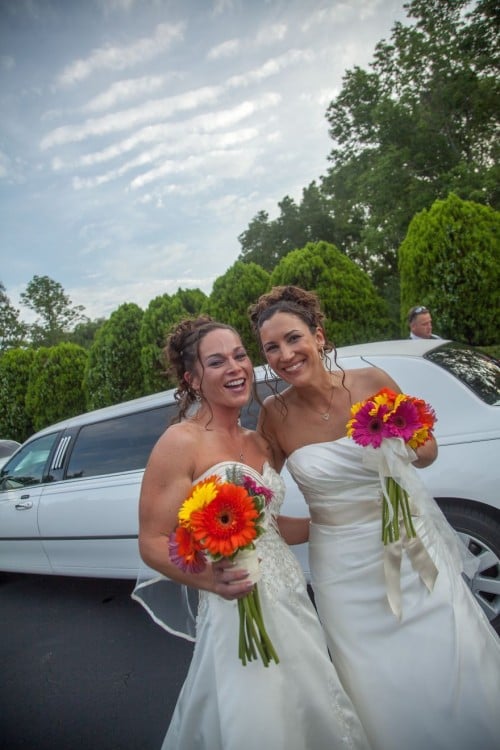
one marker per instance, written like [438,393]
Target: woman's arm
[265,428]
[377,378]
[166,483]
[427,454]
[294,530]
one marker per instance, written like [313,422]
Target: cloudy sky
[138,138]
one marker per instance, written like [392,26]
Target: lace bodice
[268,478]
[278,565]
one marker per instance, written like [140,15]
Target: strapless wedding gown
[430,681]
[298,704]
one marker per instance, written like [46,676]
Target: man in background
[420,322]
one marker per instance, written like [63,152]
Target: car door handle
[24,506]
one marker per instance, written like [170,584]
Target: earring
[321,352]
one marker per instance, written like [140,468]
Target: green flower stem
[394,496]
[252,632]
[399,500]
[262,628]
[408,521]
[242,644]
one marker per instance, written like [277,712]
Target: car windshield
[479,372]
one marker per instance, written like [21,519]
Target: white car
[69,495]
[7,448]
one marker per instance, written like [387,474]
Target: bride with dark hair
[426,672]
[294,704]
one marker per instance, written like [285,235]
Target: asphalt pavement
[83,667]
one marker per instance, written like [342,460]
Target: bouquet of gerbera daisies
[391,425]
[387,416]
[223,519]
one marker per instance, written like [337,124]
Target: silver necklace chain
[326,414]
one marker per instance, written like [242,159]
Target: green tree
[15,368]
[231,296]
[84,333]
[56,313]
[192,300]
[12,330]
[355,311]
[55,386]
[114,373]
[260,242]
[423,121]
[266,242]
[160,315]
[450,261]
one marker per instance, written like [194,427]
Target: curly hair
[289,299]
[182,355]
[306,307]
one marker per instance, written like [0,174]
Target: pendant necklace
[242,457]
[326,415]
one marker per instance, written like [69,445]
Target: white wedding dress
[298,704]
[430,681]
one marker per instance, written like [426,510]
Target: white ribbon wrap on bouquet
[248,559]
[394,459]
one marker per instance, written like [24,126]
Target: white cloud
[120,58]
[226,49]
[271,68]
[170,155]
[126,119]
[173,132]
[271,34]
[123,91]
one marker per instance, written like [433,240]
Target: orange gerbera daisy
[185,551]
[227,523]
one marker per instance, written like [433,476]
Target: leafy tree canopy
[113,373]
[421,122]
[231,296]
[56,313]
[12,330]
[354,310]
[84,333]
[55,386]
[15,367]
[265,242]
[161,314]
[450,261]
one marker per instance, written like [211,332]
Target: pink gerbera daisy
[404,420]
[368,427]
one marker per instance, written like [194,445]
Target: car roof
[406,347]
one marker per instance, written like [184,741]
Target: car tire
[479,527]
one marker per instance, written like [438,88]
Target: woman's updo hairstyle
[182,356]
[293,300]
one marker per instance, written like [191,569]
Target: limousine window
[119,444]
[27,467]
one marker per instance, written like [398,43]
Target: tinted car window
[479,372]
[118,444]
[27,467]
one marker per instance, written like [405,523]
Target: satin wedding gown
[297,704]
[430,680]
